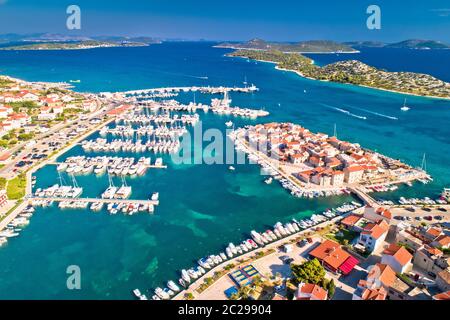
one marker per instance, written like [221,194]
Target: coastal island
[352,72]
[88,44]
[311,46]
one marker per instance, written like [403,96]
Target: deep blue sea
[203,207]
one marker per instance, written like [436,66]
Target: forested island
[352,72]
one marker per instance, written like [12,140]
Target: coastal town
[368,249]
[353,252]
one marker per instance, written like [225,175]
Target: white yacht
[405,107]
[173,286]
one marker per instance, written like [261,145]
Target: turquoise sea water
[202,207]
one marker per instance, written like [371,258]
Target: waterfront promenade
[100,200]
[251,257]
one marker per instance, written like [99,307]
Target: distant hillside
[12,38]
[303,46]
[406,44]
[369,44]
[71,45]
[419,44]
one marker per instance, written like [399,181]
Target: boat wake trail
[346,112]
[377,113]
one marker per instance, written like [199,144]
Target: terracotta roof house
[309,291]
[373,235]
[397,257]
[351,220]
[443,280]
[443,241]
[374,294]
[333,257]
[442,296]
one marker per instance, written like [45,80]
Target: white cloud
[442,12]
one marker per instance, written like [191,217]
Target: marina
[207,89]
[111,165]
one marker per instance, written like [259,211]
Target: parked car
[429,218]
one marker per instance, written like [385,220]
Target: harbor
[271,238]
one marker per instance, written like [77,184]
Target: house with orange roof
[406,237]
[442,296]
[46,113]
[337,178]
[382,278]
[353,174]
[333,257]
[350,222]
[430,259]
[332,162]
[373,235]
[443,280]
[19,119]
[376,214]
[442,241]
[310,291]
[315,161]
[397,257]
[5,110]
[432,233]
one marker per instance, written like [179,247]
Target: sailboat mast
[424,163]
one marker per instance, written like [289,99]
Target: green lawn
[16,187]
[342,235]
[2,183]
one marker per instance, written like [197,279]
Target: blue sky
[281,20]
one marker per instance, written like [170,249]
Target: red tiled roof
[331,253]
[399,253]
[442,296]
[351,220]
[313,290]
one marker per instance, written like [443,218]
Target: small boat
[268,180]
[182,283]
[137,293]
[229,124]
[173,286]
[231,168]
[405,107]
[185,276]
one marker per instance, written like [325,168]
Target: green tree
[331,287]
[308,272]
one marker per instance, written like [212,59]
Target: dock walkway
[91,200]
